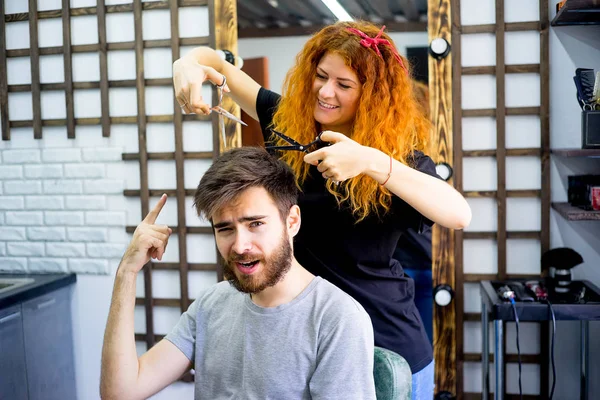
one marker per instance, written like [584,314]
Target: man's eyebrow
[250,218]
[321,70]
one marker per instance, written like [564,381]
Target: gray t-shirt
[318,346]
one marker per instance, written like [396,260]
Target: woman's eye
[344,86]
[320,76]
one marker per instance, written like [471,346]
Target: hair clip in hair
[374,43]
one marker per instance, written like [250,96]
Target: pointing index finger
[153,215]
[314,157]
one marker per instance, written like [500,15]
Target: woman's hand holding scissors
[188,77]
[342,160]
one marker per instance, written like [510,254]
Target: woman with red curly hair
[371,184]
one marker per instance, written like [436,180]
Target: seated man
[272,331]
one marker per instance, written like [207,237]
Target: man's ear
[293,221]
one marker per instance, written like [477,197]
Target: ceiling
[268,18]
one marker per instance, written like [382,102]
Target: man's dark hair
[240,169]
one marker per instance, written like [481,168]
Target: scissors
[223,112]
[293,145]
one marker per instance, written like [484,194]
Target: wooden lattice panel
[449,334]
[221,19]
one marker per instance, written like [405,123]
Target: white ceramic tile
[197,136]
[521,11]
[86,67]
[160,137]
[478,133]
[18,70]
[159,100]
[158,63]
[193,22]
[522,90]
[122,102]
[523,256]
[121,65]
[20,106]
[523,214]
[522,47]
[162,174]
[199,281]
[193,172]
[478,49]
[480,256]
[52,69]
[485,215]
[486,12]
[156,24]
[480,173]
[478,91]
[523,131]
[50,32]
[201,248]
[523,173]
[53,104]
[84,29]
[120,27]
[87,103]
[17,35]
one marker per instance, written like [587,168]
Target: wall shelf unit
[571,213]
[578,12]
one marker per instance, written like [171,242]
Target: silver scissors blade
[225,113]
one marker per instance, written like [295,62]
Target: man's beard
[273,269]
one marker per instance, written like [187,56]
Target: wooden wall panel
[4,122]
[142,138]
[443,251]
[34,53]
[103,55]
[68,66]
[179,170]
[223,19]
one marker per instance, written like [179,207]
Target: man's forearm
[119,355]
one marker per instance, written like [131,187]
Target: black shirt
[357,257]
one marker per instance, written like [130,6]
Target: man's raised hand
[149,240]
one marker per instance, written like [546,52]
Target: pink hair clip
[368,42]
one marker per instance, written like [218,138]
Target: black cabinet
[48,337]
[13,384]
[36,344]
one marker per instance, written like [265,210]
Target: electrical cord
[552,349]
[514,307]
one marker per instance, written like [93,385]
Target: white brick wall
[11,171]
[57,203]
[12,233]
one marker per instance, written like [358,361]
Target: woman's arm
[203,63]
[432,197]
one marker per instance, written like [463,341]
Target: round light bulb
[443,298]
[439,48]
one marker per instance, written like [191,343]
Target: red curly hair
[388,117]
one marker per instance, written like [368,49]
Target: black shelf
[576,152]
[571,213]
[578,12]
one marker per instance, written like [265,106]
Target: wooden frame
[444,253]
[445,91]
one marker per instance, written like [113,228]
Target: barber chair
[392,375]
